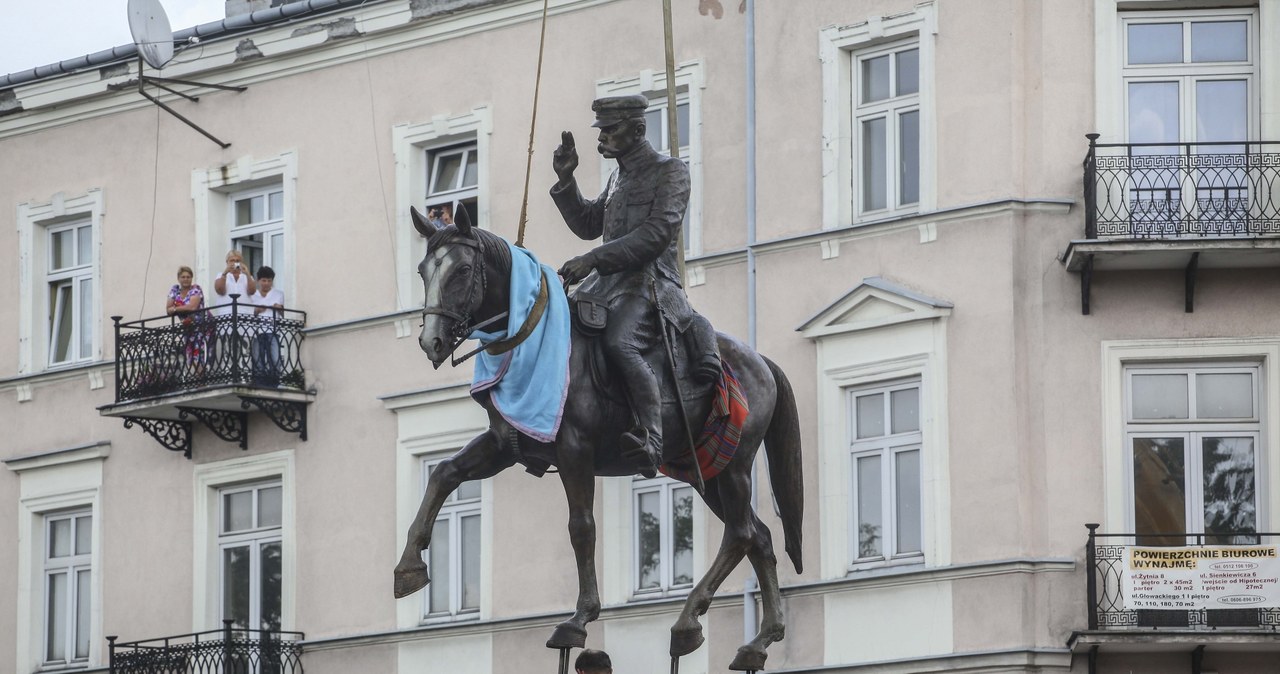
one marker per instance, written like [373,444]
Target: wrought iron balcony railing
[225,651]
[1181,190]
[219,346]
[1104,562]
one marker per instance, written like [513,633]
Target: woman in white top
[235,280]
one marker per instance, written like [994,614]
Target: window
[454,555]
[663,526]
[884,451]
[1194,437]
[887,121]
[70,279]
[68,570]
[250,551]
[658,134]
[257,228]
[453,176]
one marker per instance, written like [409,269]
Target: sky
[39,32]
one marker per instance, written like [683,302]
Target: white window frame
[71,566]
[1121,356]
[459,191]
[891,111]
[840,48]
[411,143]
[453,510]
[665,487]
[1110,114]
[36,220]
[52,484]
[690,81]
[73,277]
[886,447]
[255,538]
[214,192]
[210,480]
[240,235]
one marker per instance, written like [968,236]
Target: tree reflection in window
[664,535]
[1229,503]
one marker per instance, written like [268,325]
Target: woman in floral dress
[185,299]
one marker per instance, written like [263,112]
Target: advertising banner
[1209,577]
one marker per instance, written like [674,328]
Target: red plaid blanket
[721,432]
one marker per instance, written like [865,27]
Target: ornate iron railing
[1104,561]
[219,346]
[225,651]
[1181,190]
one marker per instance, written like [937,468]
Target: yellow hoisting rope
[533,122]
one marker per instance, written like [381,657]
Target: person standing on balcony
[184,301]
[268,305]
[234,280]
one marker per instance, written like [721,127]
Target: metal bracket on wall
[174,436]
[1193,265]
[288,415]
[230,426]
[1086,280]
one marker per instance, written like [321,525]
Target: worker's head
[591,661]
[621,123]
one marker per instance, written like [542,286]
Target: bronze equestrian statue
[467,274]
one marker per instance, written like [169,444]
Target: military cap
[613,109]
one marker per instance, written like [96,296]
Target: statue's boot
[643,443]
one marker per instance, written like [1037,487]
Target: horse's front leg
[483,457]
[579,487]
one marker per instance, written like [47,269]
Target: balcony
[211,366]
[1186,624]
[1185,206]
[225,651]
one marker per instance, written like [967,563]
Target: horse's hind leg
[579,487]
[483,457]
[751,656]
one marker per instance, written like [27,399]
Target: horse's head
[457,279]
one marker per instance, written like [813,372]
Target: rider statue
[634,273]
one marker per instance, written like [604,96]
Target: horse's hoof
[748,660]
[686,641]
[568,635]
[411,578]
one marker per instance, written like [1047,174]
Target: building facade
[1000,328]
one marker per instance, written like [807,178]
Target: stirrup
[635,448]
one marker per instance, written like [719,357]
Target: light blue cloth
[528,384]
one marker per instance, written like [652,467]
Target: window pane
[682,536]
[469,175]
[1224,396]
[874,179]
[1219,41]
[84,245]
[907,500]
[470,563]
[83,599]
[56,647]
[870,415]
[237,511]
[60,322]
[904,405]
[250,210]
[269,506]
[648,537]
[653,123]
[875,79]
[870,520]
[908,75]
[59,538]
[1159,396]
[272,576]
[1153,114]
[909,158]
[86,318]
[275,206]
[1155,43]
[447,168]
[63,251]
[235,585]
[1229,501]
[441,579]
[1159,492]
[468,491]
[1221,113]
[84,535]
[277,256]
[682,123]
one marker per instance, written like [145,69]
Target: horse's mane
[495,247]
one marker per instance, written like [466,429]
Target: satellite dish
[151,32]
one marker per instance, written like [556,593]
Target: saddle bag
[590,314]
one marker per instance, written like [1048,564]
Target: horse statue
[466,273]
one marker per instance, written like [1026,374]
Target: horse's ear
[460,218]
[420,223]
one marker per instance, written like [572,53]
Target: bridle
[463,327]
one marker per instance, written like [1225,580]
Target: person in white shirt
[234,280]
[268,305]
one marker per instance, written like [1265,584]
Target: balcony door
[1191,106]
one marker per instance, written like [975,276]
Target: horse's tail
[782,447]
